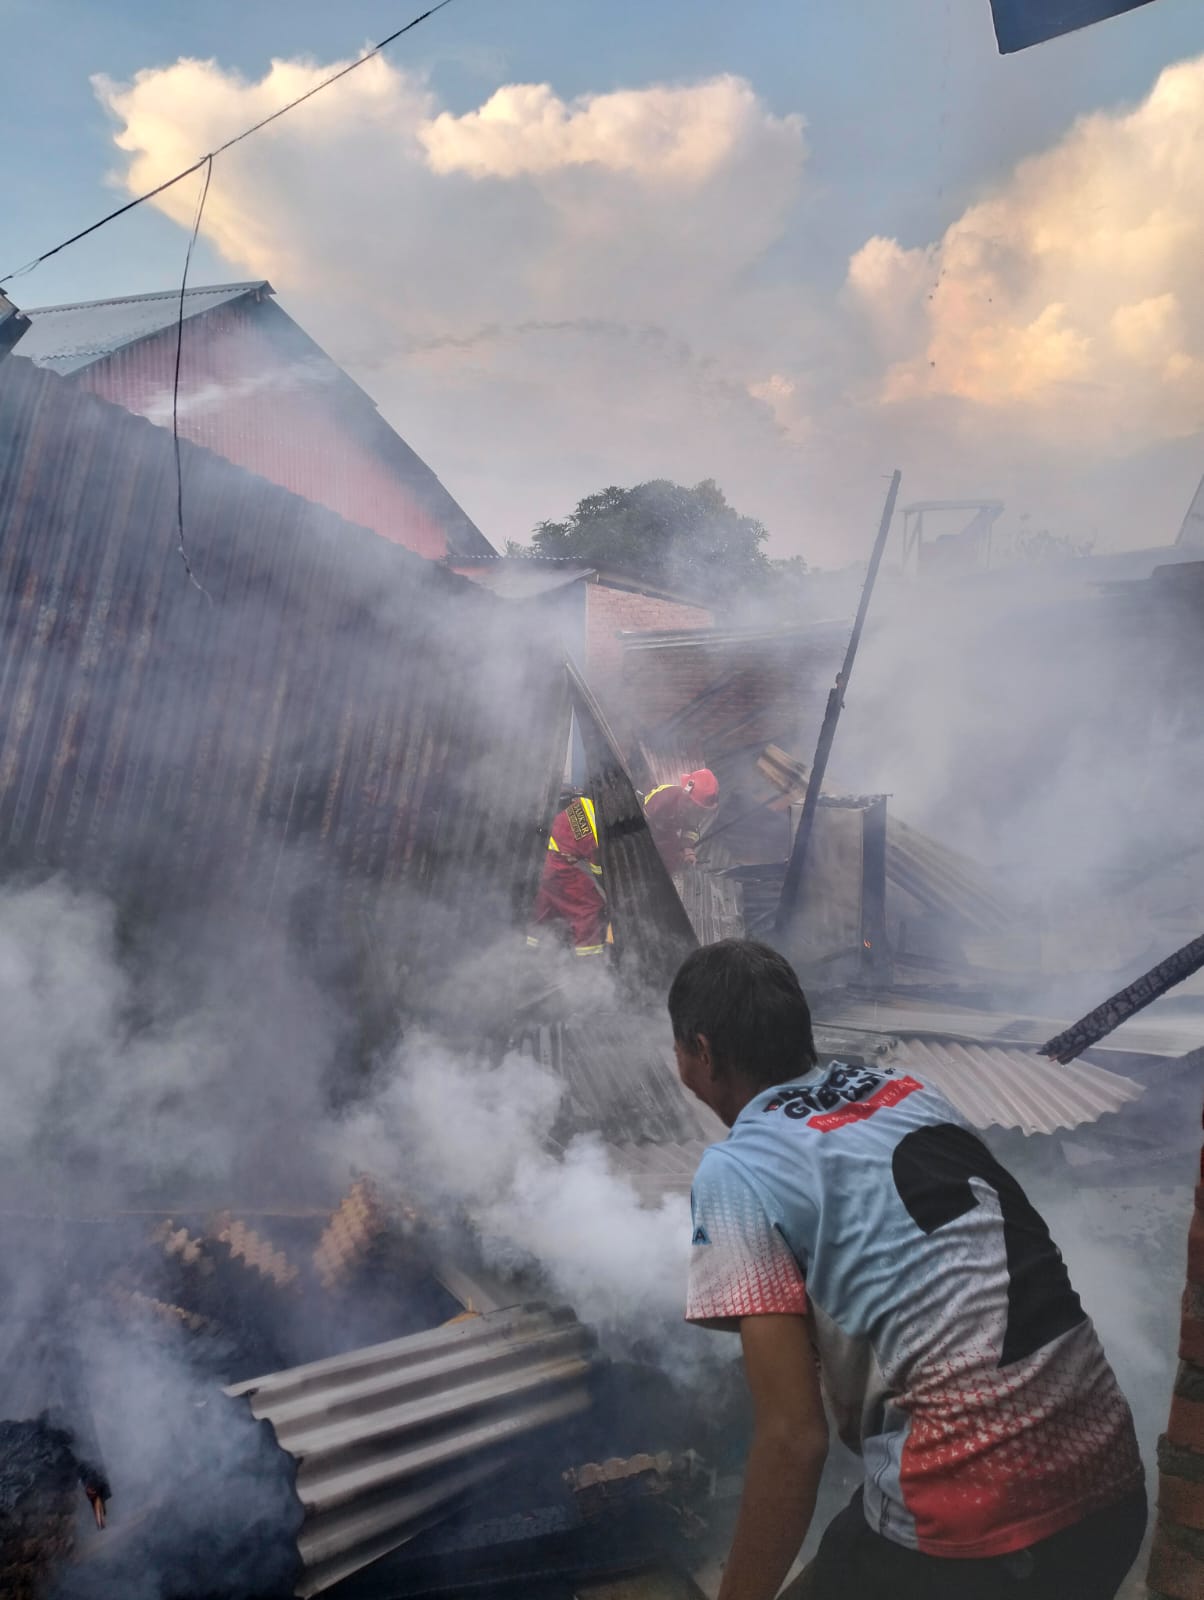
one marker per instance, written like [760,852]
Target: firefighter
[675,815]
[571,896]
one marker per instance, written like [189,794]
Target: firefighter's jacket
[675,822]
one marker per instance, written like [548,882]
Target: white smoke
[129,1070]
[478,1140]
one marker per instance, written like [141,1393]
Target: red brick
[1181,1500]
[611,611]
[1174,1571]
[1195,1249]
[1186,1425]
[1191,1339]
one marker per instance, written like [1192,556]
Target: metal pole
[789,902]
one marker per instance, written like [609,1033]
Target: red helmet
[702,787]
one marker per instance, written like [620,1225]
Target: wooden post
[789,903]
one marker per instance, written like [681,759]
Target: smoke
[195,1065]
[1045,727]
[135,1071]
[478,1141]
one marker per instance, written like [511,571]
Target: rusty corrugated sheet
[332,714]
[620,1083]
[620,1079]
[714,904]
[389,1439]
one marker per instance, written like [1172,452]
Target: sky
[789,246]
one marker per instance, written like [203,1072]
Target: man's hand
[789,1447]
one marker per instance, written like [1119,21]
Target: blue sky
[910,118]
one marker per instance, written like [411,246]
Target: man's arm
[785,1461]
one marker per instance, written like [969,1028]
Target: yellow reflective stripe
[587,805]
[660,790]
[589,949]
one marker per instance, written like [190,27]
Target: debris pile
[40,1481]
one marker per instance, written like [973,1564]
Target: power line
[229,144]
[175,387]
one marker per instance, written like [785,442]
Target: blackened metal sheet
[651,929]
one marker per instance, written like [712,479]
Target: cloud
[663,135]
[1072,297]
[548,295]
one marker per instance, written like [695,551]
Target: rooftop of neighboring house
[524,575]
[89,337]
[67,338]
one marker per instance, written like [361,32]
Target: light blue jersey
[956,1357]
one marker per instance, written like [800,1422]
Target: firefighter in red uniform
[570,891]
[673,813]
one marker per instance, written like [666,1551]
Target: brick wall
[248,399]
[610,612]
[1177,1558]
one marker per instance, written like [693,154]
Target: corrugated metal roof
[14,325]
[67,337]
[652,932]
[523,580]
[714,904]
[324,722]
[1191,534]
[389,1439]
[995,1086]
[721,638]
[1170,1033]
[620,1079]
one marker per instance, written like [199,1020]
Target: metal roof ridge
[157,294]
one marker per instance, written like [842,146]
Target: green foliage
[688,540]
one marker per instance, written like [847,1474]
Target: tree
[689,540]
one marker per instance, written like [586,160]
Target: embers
[683,1480]
[40,1480]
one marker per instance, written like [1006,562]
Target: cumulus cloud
[664,135]
[546,295]
[1071,297]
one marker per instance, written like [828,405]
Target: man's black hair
[747,1001]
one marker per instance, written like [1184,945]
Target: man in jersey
[860,1237]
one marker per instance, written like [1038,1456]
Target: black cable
[237,139]
[175,387]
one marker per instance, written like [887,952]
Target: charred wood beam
[1098,1024]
